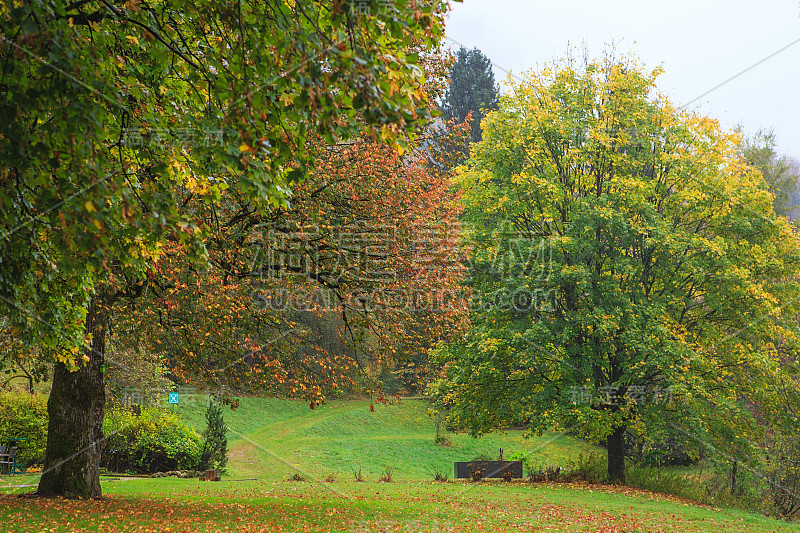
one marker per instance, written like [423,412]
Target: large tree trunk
[75,407]
[616,455]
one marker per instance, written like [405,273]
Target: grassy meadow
[271,440]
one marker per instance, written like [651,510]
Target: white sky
[700,44]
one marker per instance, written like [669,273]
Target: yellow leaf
[244,147]
[132,39]
[90,207]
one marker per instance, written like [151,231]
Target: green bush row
[155,440]
[25,416]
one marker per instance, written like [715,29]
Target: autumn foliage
[360,270]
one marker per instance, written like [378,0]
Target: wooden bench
[8,458]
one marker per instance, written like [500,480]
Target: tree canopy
[781,173]
[631,276]
[376,274]
[122,114]
[116,108]
[472,89]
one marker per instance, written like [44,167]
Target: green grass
[189,505]
[272,439]
[251,415]
[344,435]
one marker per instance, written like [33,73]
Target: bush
[783,471]
[589,468]
[442,440]
[154,441]
[476,474]
[543,475]
[736,486]
[215,444]
[386,477]
[646,477]
[437,474]
[25,416]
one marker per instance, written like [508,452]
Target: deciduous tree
[367,253]
[630,270]
[117,112]
[782,173]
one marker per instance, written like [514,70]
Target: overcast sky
[700,44]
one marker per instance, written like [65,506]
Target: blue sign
[173,397]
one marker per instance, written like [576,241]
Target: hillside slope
[275,438]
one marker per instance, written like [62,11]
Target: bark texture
[75,408]
[616,455]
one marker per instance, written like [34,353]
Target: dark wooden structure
[210,475]
[489,469]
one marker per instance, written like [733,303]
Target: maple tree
[629,269]
[368,251]
[120,111]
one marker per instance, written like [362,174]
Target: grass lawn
[341,436]
[189,505]
[273,439]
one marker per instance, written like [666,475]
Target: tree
[781,173]
[472,90]
[215,440]
[324,292]
[121,111]
[628,268]
[299,302]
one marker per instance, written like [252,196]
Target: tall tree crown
[472,89]
[622,249]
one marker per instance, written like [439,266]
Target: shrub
[590,468]
[437,474]
[25,416]
[358,475]
[386,477]
[549,473]
[476,474]
[783,470]
[153,441]
[542,475]
[442,440]
[215,444]
[729,484]
[660,480]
